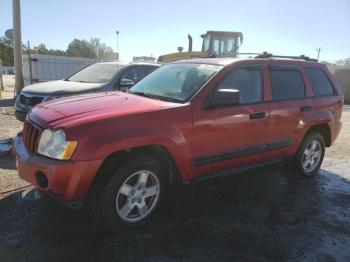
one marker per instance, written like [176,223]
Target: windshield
[175,82]
[96,73]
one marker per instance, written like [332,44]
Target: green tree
[92,49]
[6,51]
[102,51]
[57,52]
[81,48]
[95,45]
[77,48]
[106,53]
[40,49]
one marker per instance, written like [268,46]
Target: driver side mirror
[222,98]
[124,82]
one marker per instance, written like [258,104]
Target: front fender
[168,128]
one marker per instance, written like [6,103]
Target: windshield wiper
[163,98]
[142,94]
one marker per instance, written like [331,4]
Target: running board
[236,170]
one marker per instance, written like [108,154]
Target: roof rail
[269,55]
[209,56]
[249,54]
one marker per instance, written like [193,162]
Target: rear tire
[309,156]
[132,195]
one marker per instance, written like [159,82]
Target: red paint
[108,123]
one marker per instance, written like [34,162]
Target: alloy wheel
[312,155]
[138,196]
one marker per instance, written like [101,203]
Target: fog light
[41,179]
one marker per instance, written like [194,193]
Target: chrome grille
[31,134]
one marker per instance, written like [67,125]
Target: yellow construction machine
[215,44]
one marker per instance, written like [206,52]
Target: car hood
[91,107]
[60,87]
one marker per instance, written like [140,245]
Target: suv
[187,121]
[99,77]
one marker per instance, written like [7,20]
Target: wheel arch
[324,129]
[116,159]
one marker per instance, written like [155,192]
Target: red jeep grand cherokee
[186,121]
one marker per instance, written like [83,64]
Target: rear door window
[149,69]
[320,82]
[135,74]
[249,83]
[287,84]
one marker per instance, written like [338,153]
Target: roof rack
[269,55]
[214,55]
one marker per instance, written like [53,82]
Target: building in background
[342,74]
[144,59]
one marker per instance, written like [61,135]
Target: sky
[149,27]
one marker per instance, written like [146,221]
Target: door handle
[257,115]
[305,108]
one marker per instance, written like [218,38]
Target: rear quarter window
[287,84]
[321,85]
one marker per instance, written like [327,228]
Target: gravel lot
[265,215]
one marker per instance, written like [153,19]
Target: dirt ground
[265,215]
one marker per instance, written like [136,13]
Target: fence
[342,74]
[41,68]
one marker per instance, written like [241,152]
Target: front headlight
[53,144]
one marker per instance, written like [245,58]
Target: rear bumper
[65,180]
[336,131]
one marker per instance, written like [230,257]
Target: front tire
[132,195]
[309,156]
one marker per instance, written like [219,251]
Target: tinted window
[149,69]
[134,73]
[320,82]
[287,84]
[249,83]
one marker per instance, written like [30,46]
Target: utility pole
[318,53]
[117,32]
[30,64]
[1,82]
[17,45]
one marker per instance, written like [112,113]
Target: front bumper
[66,180]
[21,115]
[21,110]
